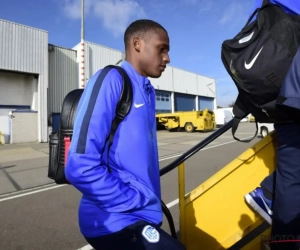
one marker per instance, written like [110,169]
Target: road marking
[172,203]
[161,159]
[10,179]
[218,145]
[87,247]
[32,192]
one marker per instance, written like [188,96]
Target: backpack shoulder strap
[240,112]
[265,2]
[123,106]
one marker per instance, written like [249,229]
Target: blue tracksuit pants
[284,183]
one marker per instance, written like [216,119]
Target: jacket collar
[134,74]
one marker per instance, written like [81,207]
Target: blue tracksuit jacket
[290,89]
[111,201]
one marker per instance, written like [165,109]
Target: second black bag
[257,59]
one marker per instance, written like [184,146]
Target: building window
[161,96]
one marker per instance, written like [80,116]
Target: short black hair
[140,28]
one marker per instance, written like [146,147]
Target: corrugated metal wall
[165,82]
[63,76]
[97,57]
[22,48]
[184,82]
[25,49]
[206,86]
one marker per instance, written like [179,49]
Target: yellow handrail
[181,189]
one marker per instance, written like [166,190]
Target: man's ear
[137,43]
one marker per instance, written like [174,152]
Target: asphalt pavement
[37,214]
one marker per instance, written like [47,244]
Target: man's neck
[135,65]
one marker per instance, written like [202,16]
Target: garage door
[17,91]
[163,101]
[184,102]
[206,103]
[4,126]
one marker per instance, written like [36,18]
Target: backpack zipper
[265,111]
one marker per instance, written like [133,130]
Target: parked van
[265,128]
[246,119]
[222,116]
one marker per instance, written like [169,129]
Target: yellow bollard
[0,138]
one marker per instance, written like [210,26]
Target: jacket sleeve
[289,95]
[86,170]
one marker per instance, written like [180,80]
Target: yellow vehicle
[203,120]
[251,118]
[233,225]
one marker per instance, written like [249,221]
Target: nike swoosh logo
[267,207]
[249,66]
[139,105]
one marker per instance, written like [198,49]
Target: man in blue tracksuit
[122,209]
[278,198]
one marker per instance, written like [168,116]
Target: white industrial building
[35,76]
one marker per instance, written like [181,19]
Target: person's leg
[154,238]
[124,239]
[286,207]
[139,236]
[268,185]
[260,199]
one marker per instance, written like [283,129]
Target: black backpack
[57,138]
[258,59]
